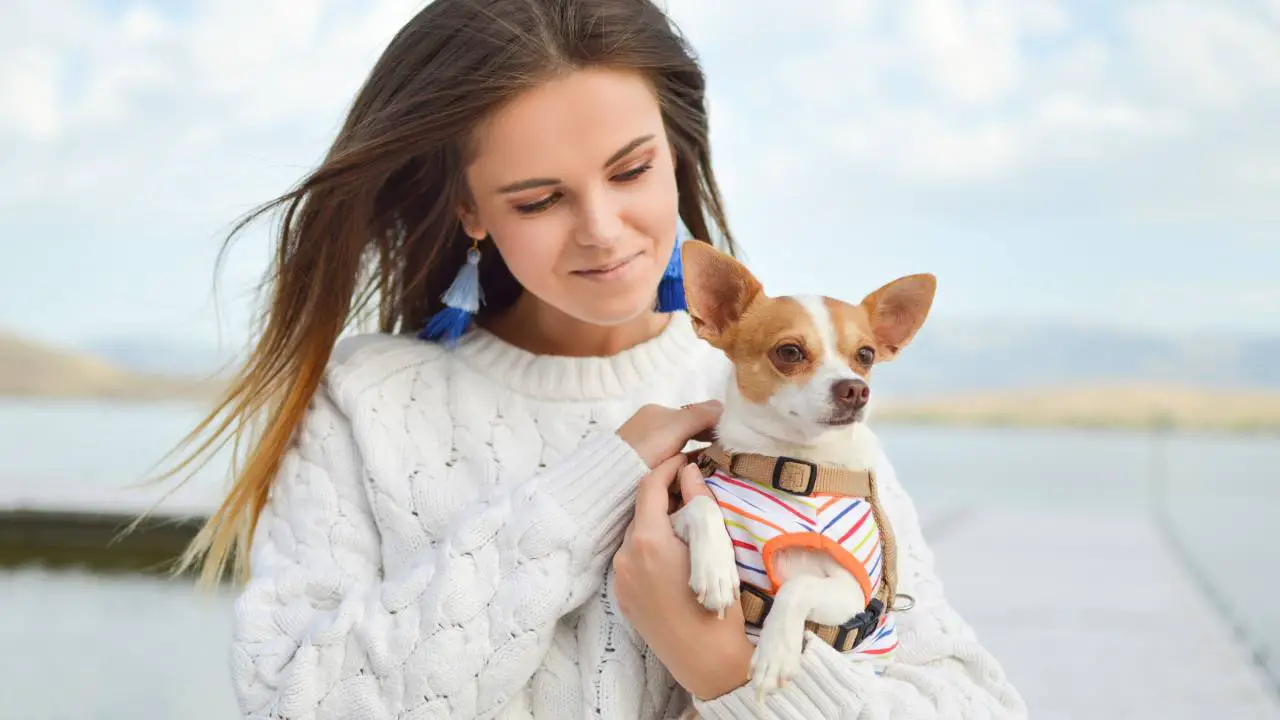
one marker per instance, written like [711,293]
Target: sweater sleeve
[324,630]
[940,669]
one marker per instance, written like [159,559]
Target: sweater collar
[582,378]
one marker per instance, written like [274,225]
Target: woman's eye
[789,353]
[866,356]
[633,173]
[536,207]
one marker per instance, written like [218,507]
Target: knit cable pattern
[437,545]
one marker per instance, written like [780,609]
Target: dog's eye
[866,356]
[789,353]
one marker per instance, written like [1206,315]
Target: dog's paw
[776,660]
[714,577]
[713,567]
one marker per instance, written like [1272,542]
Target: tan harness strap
[797,477]
[756,605]
[889,547]
[800,477]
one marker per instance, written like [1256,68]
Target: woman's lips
[612,270]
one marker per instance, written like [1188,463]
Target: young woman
[474,522]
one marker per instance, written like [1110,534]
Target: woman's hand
[707,656]
[657,433]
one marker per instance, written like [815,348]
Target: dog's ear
[898,309]
[717,289]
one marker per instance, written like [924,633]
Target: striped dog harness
[774,503]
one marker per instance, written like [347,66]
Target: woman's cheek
[532,252]
[654,208]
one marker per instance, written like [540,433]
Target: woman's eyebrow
[628,148]
[542,182]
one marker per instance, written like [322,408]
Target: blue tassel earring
[461,302]
[671,287]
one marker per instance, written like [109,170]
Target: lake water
[75,645]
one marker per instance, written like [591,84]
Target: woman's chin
[614,309]
[610,304]
[621,315]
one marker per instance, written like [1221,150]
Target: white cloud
[152,130]
[1208,53]
[1260,171]
[146,134]
[952,91]
[957,92]
[972,52]
[940,91]
[142,103]
[29,102]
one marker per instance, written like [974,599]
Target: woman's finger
[692,484]
[706,436]
[697,418]
[652,494]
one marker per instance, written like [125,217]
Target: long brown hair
[377,220]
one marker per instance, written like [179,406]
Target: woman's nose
[600,221]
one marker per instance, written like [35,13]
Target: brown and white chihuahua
[796,526]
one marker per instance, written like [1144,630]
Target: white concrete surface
[1093,617]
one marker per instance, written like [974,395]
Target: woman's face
[575,182]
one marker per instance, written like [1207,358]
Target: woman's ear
[470,219]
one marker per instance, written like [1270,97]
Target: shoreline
[94,541]
[995,413]
[895,418]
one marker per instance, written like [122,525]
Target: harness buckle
[706,464]
[778,480]
[860,626]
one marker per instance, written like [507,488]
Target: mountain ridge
[948,355]
[975,373]
[33,369]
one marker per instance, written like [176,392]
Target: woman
[475,524]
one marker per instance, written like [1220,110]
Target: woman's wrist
[718,674]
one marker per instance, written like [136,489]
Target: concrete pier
[1092,615]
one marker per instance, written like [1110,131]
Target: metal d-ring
[899,608]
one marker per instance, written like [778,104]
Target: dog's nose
[851,393]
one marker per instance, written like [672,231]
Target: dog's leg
[814,588]
[713,572]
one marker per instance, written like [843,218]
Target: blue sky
[1105,163]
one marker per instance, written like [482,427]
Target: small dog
[796,531]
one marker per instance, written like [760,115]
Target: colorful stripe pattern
[756,516]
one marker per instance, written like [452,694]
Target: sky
[1098,162]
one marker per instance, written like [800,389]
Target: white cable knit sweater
[437,545]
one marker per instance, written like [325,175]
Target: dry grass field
[1120,406]
[36,371]
[32,370]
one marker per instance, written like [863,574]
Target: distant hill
[29,369]
[1116,406]
[1007,373]
[165,356]
[958,373]
[950,357]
